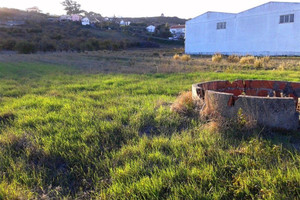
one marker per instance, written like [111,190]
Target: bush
[9,44]
[217,57]
[25,47]
[282,66]
[176,57]
[46,45]
[185,57]
[258,63]
[233,59]
[261,62]
[247,60]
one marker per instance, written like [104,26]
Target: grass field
[99,125]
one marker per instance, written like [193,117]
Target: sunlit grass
[67,133]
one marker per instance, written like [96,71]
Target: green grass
[66,133]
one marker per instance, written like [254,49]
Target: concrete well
[270,103]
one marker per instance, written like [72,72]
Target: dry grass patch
[217,57]
[184,104]
[185,58]
[247,60]
[176,57]
[233,59]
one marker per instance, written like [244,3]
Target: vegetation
[233,59]
[72,130]
[184,57]
[66,36]
[72,7]
[247,60]
[46,33]
[163,31]
[217,57]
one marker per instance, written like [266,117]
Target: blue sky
[140,8]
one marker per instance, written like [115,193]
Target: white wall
[256,31]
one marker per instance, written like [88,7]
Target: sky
[140,8]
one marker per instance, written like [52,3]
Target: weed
[282,67]
[185,58]
[217,58]
[233,59]
[176,57]
[247,60]
[184,104]
[258,63]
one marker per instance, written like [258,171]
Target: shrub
[282,66]
[258,63]
[185,57]
[266,59]
[92,44]
[25,47]
[47,45]
[217,57]
[233,59]
[176,57]
[247,60]
[9,44]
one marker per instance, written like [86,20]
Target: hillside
[15,14]
[31,32]
[157,20]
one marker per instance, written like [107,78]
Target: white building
[124,23]
[85,21]
[151,29]
[65,18]
[270,29]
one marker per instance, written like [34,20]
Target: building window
[221,25]
[286,18]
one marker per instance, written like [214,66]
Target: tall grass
[217,57]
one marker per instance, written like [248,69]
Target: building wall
[256,31]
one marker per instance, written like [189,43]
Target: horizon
[168,8]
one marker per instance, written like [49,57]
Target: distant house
[177,29]
[33,9]
[65,18]
[85,21]
[76,18]
[124,23]
[73,18]
[269,29]
[151,29]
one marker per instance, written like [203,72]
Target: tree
[94,17]
[72,7]
[163,31]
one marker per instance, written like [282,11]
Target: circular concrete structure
[269,103]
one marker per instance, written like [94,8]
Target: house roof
[177,26]
[261,9]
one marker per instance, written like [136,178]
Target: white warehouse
[270,29]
